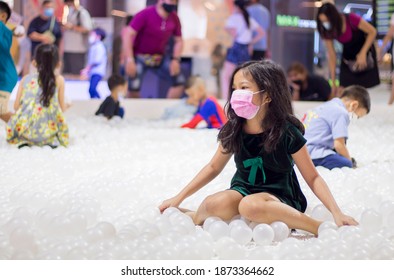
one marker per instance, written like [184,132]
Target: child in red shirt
[209,110]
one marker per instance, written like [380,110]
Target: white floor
[98,198]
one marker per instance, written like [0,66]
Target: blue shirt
[8,74]
[97,59]
[323,125]
[263,17]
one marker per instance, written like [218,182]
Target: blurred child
[388,38]
[111,106]
[185,108]
[326,127]
[209,110]
[97,61]
[8,74]
[265,140]
[40,104]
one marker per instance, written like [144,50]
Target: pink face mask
[241,102]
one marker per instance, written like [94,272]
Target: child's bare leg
[391,99]
[5,115]
[225,75]
[223,204]
[266,208]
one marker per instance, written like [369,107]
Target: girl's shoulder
[353,19]
[59,80]
[28,79]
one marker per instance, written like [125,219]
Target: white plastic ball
[219,229]
[326,225]
[170,210]
[233,251]
[321,213]
[22,238]
[208,221]
[281,230]
[371,220]
[241,233]
[263,234]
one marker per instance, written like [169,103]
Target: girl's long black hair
[269,77]
[335,18]
[47,58]
[242,5]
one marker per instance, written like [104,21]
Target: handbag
[352,64]
[49,32]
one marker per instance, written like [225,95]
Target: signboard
[384,10]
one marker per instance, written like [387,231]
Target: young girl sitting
[40,104]
[265,139]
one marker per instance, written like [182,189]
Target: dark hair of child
[270,78]
[115,80]
[4,8]
[47,58]
[100,32]
[191,81]
[242,5]
[359,94]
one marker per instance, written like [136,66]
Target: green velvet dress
[259,171]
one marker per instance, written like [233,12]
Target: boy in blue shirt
[8,74]
[326,127]
[97,61]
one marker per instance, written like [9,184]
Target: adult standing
[263,17]
[388,38]
[144,46]
[76,33]
[44,29]
[20,44]
[8,75]
[241,28]
[358,62]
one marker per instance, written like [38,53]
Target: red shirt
[153,31]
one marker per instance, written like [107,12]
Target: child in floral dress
[40,104]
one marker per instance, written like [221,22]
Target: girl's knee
[250,208]
[211,203]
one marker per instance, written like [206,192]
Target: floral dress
[35,124]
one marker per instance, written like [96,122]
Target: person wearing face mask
[8,74]
[96,67]
[76,33]
[144,44]
[265,139]
[111,105]
[307,87]
[358,62]
[326,127]
[44,29]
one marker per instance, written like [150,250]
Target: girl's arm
[332,62]
[60,92]
[232,31]
[206,175]
[259,35]
[17,102]
[319,186]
